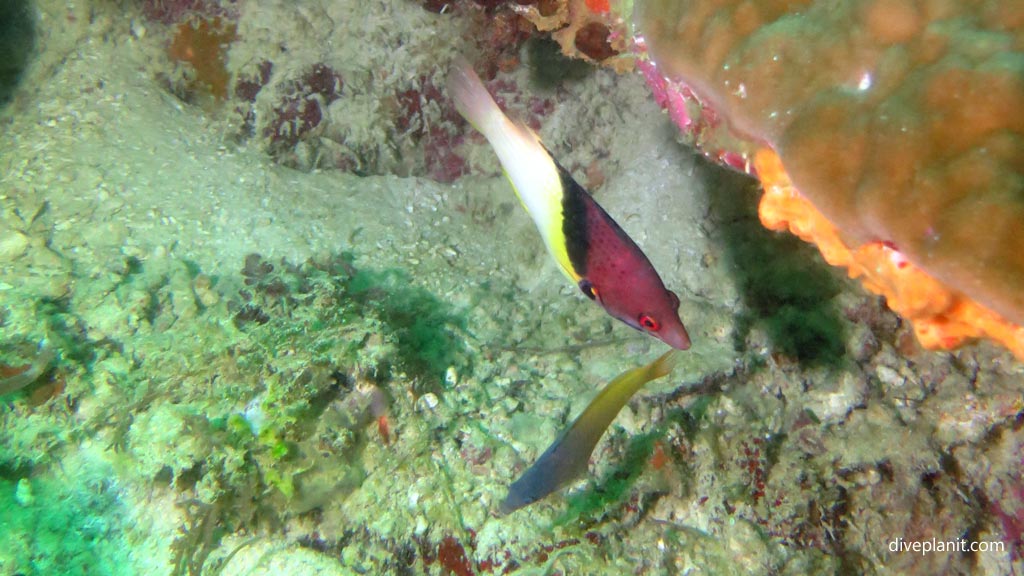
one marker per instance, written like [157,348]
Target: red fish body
[613,271]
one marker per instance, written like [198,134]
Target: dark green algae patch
[17,43]
[424,330]
[786,288]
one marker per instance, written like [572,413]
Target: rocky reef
[268,306]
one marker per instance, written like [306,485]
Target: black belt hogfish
[589,246]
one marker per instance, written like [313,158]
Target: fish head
[646,306]
[660,318]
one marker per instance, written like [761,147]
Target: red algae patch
[899,121]
[592,40]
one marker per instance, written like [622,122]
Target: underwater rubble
[284,316]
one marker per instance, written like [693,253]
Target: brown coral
[899,121]
[584,28]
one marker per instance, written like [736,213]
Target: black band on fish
[574,221]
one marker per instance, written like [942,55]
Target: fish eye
[649,323]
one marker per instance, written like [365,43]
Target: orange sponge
[942,317]
[203,44]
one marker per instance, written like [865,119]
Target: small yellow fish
[567,458]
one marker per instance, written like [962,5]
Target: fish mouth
[676,338]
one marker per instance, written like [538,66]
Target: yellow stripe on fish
[526,163]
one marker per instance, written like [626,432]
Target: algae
[70,526]
[787,288]
[17,42]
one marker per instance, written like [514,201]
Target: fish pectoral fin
[587,287]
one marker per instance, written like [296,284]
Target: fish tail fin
[477,106]
[472,99]
[663,365]
[528,165]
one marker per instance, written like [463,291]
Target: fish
[591,249]
[16,378]
[568,456]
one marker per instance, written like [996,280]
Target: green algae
[549,68]
[72,527]
[786,287]
[201,401]
[424,328]
[614,486]
[604,494]
[17,42]
[209,422]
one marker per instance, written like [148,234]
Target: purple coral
[1011,517]
[248,87]
[301,111]
[436,139]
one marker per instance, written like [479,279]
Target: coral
[925,116]
[411,103]
[592,41]
[301,110]
[697,120]
[176,11]
[203,43]
[1012,522]
[247,87]
[309,116]
[496,28]
[585,29]
[500,35]
[423,330]
[452,557]
[436,140]
[232,405]
[280,434]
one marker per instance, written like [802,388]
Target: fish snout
[675,335]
